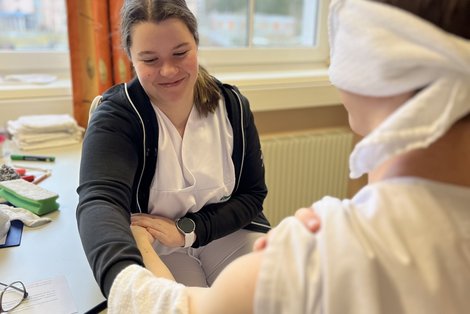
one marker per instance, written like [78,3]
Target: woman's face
[368,112]
[164,56]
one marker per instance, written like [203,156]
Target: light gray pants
[200,267]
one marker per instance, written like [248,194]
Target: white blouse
[194,170]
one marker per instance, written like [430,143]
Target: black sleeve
[217,220]
[108,166]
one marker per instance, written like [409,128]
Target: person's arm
[232,292]
[108,164]
[152,262]
[137,290]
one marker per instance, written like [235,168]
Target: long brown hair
[206,90]
[453,16]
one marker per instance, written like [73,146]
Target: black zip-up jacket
[118,163]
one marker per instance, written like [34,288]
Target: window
[33,25]
[233,33]
[34,37]
[257,34]
[257,43]
[261,23]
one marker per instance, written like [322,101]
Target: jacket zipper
[144,147]
[243,139]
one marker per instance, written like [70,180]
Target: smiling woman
[164,56]
[202,201]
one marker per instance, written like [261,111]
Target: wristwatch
[186,226]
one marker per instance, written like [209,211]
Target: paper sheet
[48,296]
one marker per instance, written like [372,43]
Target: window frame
[261,59]
[249,68]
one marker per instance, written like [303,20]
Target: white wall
[17,100]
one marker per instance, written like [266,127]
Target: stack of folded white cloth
[43,131]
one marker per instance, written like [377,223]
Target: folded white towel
[374,54]
[28,218]
[44,136]
[42,123]
[44,131]
[46,140]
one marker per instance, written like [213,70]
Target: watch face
[186,225]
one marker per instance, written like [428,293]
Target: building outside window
[42,24]
[33,25]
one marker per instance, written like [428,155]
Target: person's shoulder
[114,108]
[226,87]
[114,94]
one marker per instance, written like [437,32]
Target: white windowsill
[267,90]
[16,91]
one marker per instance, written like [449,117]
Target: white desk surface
[55,249]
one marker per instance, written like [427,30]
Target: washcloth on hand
[43,131]
[134,288]
[406,53]
[25,216]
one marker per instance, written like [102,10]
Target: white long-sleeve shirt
[399,246]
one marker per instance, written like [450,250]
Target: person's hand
[306,215]
[161,228]
[309,218]
[141,234]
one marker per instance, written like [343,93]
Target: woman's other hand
[160,228]
[141,234]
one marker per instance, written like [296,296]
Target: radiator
[303,167]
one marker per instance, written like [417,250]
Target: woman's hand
[141,235]
[306,215]
[160,228]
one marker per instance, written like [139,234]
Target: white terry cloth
[46,141]
[42,123]
[137,290]
[44,131]
[4,225]
[25,216]
[380,50]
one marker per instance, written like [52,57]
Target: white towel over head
[379,50]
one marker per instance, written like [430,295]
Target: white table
[55,249]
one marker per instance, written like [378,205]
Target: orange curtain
[97,59]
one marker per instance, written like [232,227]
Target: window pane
[284,23]
[222,23]
[33,25]
[274,23]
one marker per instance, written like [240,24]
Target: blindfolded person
[401,244]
